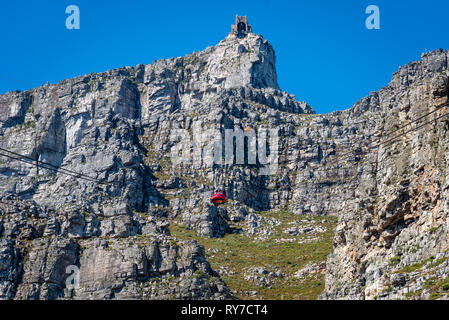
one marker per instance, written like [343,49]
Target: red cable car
[218,197]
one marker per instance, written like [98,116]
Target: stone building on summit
[241,27]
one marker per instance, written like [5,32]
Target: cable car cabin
[218,197]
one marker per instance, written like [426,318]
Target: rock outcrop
[392,239]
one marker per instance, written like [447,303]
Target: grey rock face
[142,269]
[150,265]
[9,265]
[44,269]
[213,223]
[262,277]
[115,127]
[395,226]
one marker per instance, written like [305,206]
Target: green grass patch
[434,296]
[395,260]
[238,253]
[419,265]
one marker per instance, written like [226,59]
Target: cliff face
[392,239]
[116,129]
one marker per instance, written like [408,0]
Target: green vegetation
[429,282]
[199,274]
[419,265]
[434,295]
[436,288]
[395,260]
[91,84]
[445,286]
[25,126]
[31,109]
[133,80]
[414,294]
[160,175]
[433,229]
[203,67]
[389,289]
[238,253]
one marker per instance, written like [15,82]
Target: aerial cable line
[52,167]
[25,161]
[417,119]
[75,174]
[388,142]
[410,130]
[407,124]
[390,133]
[46,165]
[381,144]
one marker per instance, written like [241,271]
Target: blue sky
[325,54]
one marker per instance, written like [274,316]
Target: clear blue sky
[325,54]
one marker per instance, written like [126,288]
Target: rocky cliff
[108,211]
[392,238]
